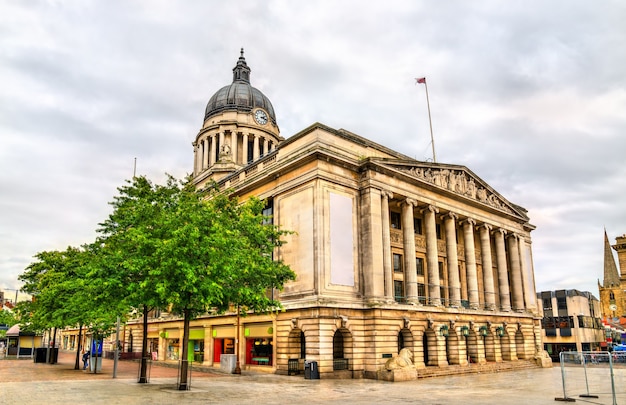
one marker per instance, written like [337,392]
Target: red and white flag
[421,80]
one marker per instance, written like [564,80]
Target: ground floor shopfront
[346,343]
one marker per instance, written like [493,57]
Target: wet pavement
[26,382]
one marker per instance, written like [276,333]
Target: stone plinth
[399,374]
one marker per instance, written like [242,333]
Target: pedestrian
[85,360]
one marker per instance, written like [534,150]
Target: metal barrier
[596,372]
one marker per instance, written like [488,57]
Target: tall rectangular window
[421,293]
[250,156]
[396,220]
[268,212]
[438,230]
[547,304]
[419,264]
[417,226]
[397,263]
[441,272]
[398,290]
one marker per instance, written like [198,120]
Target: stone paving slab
[24,382]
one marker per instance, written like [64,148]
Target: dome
[239,95]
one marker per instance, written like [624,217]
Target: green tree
[217,252]
[7,318]
[64,294]
[129,238]
[194,252]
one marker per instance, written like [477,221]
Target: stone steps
[473,368]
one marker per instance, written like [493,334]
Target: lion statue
[402,360]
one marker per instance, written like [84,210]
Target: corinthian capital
[430,208]
[451,215]
[410,201]
[386,194]
[469,221]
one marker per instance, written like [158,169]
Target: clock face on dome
[260,117]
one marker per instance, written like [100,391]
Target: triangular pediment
[455,179]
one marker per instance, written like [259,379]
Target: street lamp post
[16,291]
[237,364]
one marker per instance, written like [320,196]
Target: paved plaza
[26,382]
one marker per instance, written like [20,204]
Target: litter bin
[40,355]
[311,372]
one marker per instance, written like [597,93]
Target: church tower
[612,289]
[239,128]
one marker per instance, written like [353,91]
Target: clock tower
[239,128]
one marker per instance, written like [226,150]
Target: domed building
[239,127]
[390,253]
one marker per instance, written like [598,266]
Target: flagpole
[430,122]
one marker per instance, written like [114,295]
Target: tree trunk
[78,348]
[184,361]
[94,356]
[53,356]
[143,374]
[48,358]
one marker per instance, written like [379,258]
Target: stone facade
[389,252]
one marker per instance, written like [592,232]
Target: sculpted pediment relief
[460,181]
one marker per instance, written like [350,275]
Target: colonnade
[231,145]
[513,288]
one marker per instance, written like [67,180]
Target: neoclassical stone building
[389,252]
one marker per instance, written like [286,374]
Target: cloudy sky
[530,95]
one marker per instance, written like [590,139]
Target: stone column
[408,236]
[387,265]
[255,148]
[372,231]
[470,263]
[197,157]
[454,282]
[503,273]
[244,149]
[516,273]
[432,258]
[485,250]
[265,146]
[233,146]
[205,153]
[528,280]
[221,144]
[211,149]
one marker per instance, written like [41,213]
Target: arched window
[338,345]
